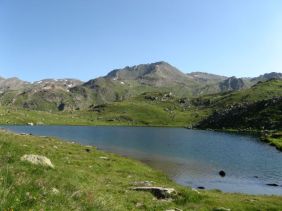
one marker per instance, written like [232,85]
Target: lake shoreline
[186,199]
[264,136]
[103,142]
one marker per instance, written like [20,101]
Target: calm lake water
[189,157]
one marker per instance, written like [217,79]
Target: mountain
[48,94]
[63,84]
[266,76]
[118,85]
[155,74]
[206,77]
[11,84]
[123,83]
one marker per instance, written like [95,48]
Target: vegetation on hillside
[148,109]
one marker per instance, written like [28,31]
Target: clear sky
[88,38]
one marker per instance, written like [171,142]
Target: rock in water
[222,173]
[38,160]
[272,184]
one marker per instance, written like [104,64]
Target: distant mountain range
[119,84]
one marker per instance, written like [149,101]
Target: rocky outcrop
[259,115]
[158,192]
[232,84]
[267,76]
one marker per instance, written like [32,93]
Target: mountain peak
[155,70]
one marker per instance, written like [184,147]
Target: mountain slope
[206,77]
[266,76]
[259,107]
[48,95]
[123,83]
[11,84]
[261,115]
[119,85]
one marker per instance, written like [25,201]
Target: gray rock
[158,192]
[143,183]
[55,191]
[221,209]
[38,160]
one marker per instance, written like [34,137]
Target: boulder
[38,160]
[158,192]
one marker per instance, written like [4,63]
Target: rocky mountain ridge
[118,85]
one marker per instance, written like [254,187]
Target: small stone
[76,194]
[195,190]
[104,158]
[143,183]
[87,150]
[174,209]
[55,191]
[138,205]
[221,209]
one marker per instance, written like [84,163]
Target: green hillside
[148,109]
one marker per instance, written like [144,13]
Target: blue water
[190,157]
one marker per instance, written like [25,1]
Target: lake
[189,157]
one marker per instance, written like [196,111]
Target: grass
[85,181]
[275,139]
[133,112]
[261,91]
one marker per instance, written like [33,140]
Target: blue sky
[88,38]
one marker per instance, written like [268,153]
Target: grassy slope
[135,111]
[139,111]
[258,110]
[274,139]
[260,91]
[87,182]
